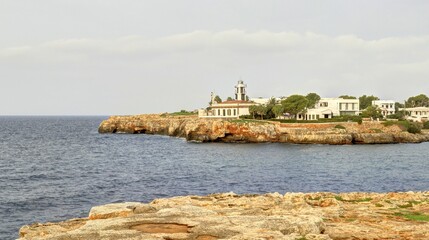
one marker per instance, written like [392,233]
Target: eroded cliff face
[316,216]
[218,130]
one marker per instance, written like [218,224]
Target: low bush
[376,130]
[415,216]
[398,115]
[426,125]
[182,113]
[414,128]
[246,117]
[340,127]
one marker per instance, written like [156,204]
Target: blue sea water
[56,168]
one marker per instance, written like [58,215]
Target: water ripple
[54,168]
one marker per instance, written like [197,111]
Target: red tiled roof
[234,101]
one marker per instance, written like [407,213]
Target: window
[223,112]
[235,112]
[218,112]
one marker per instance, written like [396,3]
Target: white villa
[387,107]
[260,100]
[331,107]
[264,101]
[417,114]
[229,109]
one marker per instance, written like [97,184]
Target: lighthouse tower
[240,91]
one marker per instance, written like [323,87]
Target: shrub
[414,128]
[376,130]
[246,117]
[426,125]
[182,113]
[352,118]
[340,127]
[398,115]
[404,125]
[415,216]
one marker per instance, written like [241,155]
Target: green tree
[347,97]
[262,110]
[253,110]
[218,99]
[278,110]
[312,98]
[372,112]
[366,101]
[417,101]
[229,99]
[295,104]
[399,105]
[269,108]
[258,110]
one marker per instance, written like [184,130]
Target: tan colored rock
[114,210]
[218,130]
[318,216]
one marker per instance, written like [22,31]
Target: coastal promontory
[193,128]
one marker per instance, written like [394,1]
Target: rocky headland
[297,216]
[252,131]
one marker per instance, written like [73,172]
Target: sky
[106,57]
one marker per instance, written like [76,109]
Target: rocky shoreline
[297,216]
[193,128]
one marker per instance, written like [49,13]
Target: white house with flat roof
[229,109]
[387,107]
[265,101]
[260,100]
[331,107]
[416,114]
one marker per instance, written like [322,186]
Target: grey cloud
[135,74]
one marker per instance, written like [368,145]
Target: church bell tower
[240,91]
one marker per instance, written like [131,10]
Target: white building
[387,107]
[260,100]
[265,101]
[331,107]
[416,114]
[229,109]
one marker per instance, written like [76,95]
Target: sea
[58,167]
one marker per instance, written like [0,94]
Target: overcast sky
[104,57]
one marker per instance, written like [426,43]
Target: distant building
[331,107]
[264,101]
[229,109]
[387,107]
[416,114]
[260,100]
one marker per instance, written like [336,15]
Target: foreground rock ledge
[269,216]
[217,130]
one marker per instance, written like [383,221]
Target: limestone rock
[220,130]
[317,216]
